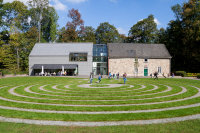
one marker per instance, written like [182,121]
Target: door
[145,71]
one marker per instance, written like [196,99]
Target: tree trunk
[18,59]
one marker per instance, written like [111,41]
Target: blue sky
[123,14]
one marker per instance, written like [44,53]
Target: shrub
[181,73]
[198,76]
[6,71]
[192,74]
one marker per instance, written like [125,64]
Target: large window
[78,57]
[159,70]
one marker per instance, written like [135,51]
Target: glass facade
[100,59]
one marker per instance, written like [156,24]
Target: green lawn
[51,93]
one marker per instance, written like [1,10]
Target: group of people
[109,76]
[92,76]
[155,75]
[114,76]
[59,73]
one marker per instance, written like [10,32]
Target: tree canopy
[145,31]
[106,33]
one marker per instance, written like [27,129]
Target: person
[164,75]
[172,75]
[151,75]
[91,78]
[99,78]
[124,77]
[155,75]
[110,75]
[118,75]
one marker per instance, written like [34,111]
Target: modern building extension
[72,58]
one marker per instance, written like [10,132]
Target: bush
[198,76]
[6,72]
[181,73]
[192,74]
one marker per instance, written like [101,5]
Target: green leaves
[145,31]
[106,33]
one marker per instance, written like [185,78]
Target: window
[78,57]
[99,59]
[145,60]
[159,70]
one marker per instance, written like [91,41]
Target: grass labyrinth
[69,101]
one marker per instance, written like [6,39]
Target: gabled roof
[60,49]
[132,50]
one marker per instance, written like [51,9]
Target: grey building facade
[74,58]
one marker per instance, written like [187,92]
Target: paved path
[90,124]
[27,89]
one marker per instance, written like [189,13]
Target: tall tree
[1,12]
[15,13]
[145,31]
[183,37]
[49,24]
[74,28]
[39,5]
[106,33]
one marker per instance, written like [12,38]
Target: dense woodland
[22,26]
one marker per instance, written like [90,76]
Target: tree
[183,37]
[145,31]
[15,44]
[49,24]
[74,28]
[1,12]
[39,6]
[29,40]
[15,13]
[106,33]
[88,34]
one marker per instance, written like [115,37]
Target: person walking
[124,77]
[164,75]
[91,78]
[118,75]
[156,75]
[99,78]
[110,75]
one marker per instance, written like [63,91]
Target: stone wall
[128,65]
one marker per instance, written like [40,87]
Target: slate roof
[60,49]
[55,66]
[133,50]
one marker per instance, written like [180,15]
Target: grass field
[73,100]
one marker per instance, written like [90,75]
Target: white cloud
[29,20]
[122,31]
[76,1]
[58,5]
[156,21]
